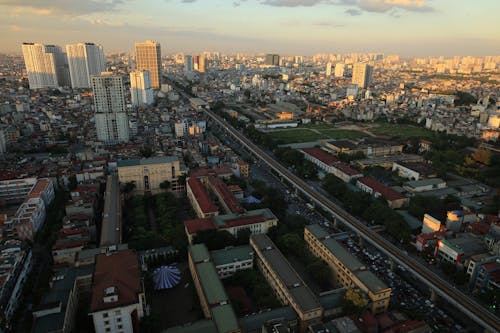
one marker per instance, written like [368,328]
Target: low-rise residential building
[148,174]
[424,185]
[199,198]
[366,146]
[373,187]
[15,265]
[414,170]
[213,298]
[330,164]
[232,259]
[349,272]
[457,251]
[118,298]
[58,308]
[257,221]
[286,283]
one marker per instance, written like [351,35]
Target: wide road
[463,302]
[112,216]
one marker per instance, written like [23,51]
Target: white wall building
[111,116]
[46,65]
[339,70]
[140,88]
[84,60]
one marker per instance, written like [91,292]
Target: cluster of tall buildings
[195,63]
[49,67]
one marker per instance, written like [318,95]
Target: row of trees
[374,211]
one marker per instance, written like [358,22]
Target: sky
[287,27]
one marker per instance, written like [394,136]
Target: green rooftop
[199,253]
[343,255]
[372,282]
[231,254]
[224,318]
[212,287]
[148,161]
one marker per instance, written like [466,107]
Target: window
[106,322]
[120,327]
[108,329]
[105,315]
[117,312]
[119,320]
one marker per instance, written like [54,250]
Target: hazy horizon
[410,28]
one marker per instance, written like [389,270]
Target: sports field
[298,135]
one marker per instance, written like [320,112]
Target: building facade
[286,283]
[148,58]
[46,66]
[149,173]
[362,75]
[140,88]
[118,298]
[84,60]
[349,272]
[111,115]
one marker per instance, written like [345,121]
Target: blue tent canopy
[166,277]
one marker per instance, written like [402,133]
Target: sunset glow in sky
[407,27]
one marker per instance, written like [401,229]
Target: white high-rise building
[362,74]
[188,63]
[46,65]
[84,60]
[140,88]
[329,69]
[109,101]
[339,70]
[148,57]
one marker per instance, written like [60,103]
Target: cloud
[357,6]
[293,3]
[60,7]
[353,12]
[328,24]
[383,6]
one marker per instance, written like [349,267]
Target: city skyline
[405,27]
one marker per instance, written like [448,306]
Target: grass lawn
[402,131]
[297,135]
[305,135]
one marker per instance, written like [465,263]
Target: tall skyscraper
[202,65]
[188,63]
[46,66]
[339,70]
[329,69]
[84,60]
[109,101]
[196,62]
[272,60]
[362,74]
[140,88]
[148,58]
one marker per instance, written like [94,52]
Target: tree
[355,302]
[320,272]
[165,185]
[291,243]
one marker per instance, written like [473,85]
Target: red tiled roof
[225,194]
[68,245]
[206,171]
[206,204]
[321,155]
[387,192]
[245,221]
[347,169]
[120,270]
[197,225]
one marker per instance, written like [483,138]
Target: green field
[399,130]
[305,135]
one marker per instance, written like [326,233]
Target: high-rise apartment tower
[84,60]
[148,57]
